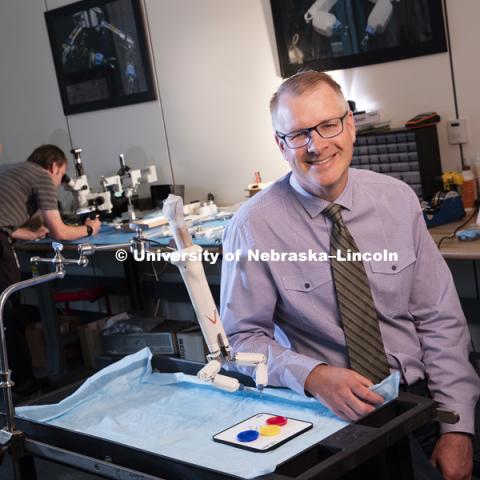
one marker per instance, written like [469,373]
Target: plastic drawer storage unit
[411,155]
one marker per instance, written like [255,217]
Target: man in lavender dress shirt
[287,309]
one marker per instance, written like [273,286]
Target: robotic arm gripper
[193,275]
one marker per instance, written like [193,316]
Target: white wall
[404,88]
[465,37]
[216,74]
[30,107]
[217,68]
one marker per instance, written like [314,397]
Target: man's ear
[55,167]
[280,143]
[351,126]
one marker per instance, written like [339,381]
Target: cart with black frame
[377,447]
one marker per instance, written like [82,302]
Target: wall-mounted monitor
[337,34]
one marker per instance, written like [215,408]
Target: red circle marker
[280,421]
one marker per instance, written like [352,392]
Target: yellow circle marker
[269,430]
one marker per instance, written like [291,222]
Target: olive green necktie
[358,313]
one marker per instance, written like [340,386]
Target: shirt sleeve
[248,300]
[442,330]
[46,193]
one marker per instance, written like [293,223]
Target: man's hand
[95,223]
[41,232]
[453,456]
[344,391]
[27,234]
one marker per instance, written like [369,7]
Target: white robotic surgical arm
[378,19]
[324,22]
[193,274]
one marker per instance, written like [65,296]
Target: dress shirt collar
[315,205]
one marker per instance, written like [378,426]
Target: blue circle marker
[247,436]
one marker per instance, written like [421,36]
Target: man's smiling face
[321,167]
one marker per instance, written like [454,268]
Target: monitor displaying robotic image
[334,34]
[100,54]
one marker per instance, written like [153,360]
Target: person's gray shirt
[24,188]
[288,309]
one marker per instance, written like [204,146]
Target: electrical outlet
[457,131]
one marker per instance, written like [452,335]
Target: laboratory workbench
[452,248]
[124,277]
[127,276]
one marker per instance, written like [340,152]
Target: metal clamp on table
[11,438]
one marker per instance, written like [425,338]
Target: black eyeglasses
[327,129]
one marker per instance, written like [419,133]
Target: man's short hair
[47,155]
[302,82]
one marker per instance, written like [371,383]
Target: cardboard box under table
[91,341]
[377,447]
[67,326]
